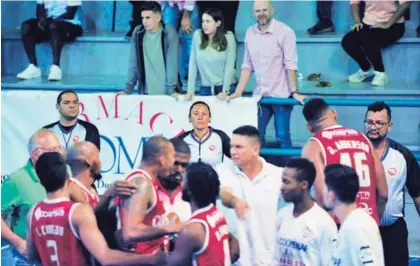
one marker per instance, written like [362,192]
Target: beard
[171,182]
[96,175]
[377,140]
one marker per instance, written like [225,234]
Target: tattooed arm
[135,209]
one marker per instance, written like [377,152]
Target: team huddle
[167,211]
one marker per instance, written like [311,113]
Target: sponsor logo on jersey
[171,218]
[212,147]
[365,206]
[339,133]
[363,195]
[39,213]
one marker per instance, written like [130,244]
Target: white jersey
[304,240]
[359,241]
[176,210]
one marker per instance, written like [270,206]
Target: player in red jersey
[62,232]
[335,144]
[205,239]
[139,214]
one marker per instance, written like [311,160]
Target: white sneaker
[30,72]
[360,76]
[380,79]
[55,73]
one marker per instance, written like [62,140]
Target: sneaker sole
[26,78]
[322,31]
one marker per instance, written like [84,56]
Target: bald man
[140,214]
[21,191]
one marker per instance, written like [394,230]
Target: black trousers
[229,10]
[365,45]
[395,243]
[56,31]
[323,10]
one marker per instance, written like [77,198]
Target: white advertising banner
[124,123]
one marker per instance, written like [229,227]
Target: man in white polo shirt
[401,171]
[305,231]
[251,186]
[359,241]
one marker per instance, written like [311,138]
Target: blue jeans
[173,16]
[19,260]
[6,255]
[281,122]
[206,90]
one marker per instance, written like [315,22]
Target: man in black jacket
[55,21]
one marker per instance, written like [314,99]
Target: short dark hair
[248,131]
[379,106]
[65,92]
[153,6]
[305,170]
[199,102]
[343,180]
[314,109]
[203,183]
[180,145]
[51,169]
[154,147]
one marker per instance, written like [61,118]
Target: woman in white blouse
[213,56]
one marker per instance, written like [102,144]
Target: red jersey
[216,250]
[152,218]
[91,195]
[54,236]
[350,147]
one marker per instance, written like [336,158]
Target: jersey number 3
[359,165]
[54,257]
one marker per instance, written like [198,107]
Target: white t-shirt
[304,240]
[257,234]
[359,241]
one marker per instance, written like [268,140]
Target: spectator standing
[153,55]
[270,53]
[382,25]
[323,11]
[69,129]
[56,21]
[401,170]
[207,144]
[22,190]
[213,56]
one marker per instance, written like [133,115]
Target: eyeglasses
[184,165]
[377,124]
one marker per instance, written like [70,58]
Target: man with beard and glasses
[331,144]
[271,53]
[359,241]
[205,239]
[305,231]
[170,192]
[401,170]
[69,129]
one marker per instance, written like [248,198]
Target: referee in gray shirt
[401,170]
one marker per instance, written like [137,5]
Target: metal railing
[332,102]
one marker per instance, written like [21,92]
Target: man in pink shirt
[270,53]
[382,25]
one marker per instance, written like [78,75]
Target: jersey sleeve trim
[207,239]
[72,208]
[225,142]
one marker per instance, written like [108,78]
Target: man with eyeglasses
[401,170]
[21,191]
[332,144]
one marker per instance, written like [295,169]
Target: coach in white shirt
[305,232]
[251,186]
[359,240]
[401,171]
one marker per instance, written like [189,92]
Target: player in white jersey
[305,231]
[359,240]
[170,191]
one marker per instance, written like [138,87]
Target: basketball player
[139,214]
[332,144]
[61,231]
[205,238]
[359,240]
[305,231]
